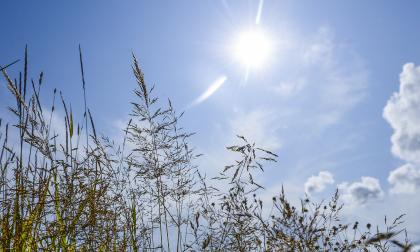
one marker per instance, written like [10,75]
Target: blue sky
[318,102]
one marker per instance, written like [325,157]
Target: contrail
[260,6]
[210,90]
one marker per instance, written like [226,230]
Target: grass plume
[76,190]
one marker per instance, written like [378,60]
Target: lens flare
[210,90]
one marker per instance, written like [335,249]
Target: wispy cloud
[338,78]
[258,126]
[323,77]
[290,87]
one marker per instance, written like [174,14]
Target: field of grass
[77,190]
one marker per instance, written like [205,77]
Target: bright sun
[252,48]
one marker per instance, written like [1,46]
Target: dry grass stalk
[68,191]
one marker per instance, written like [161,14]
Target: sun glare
[252,48]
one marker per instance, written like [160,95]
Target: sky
[337,96]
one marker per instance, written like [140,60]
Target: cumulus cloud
[361,192]
[402,112]
[319,182]
[405,179]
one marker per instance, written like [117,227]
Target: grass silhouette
[76,190]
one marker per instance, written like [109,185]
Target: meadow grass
[76,190]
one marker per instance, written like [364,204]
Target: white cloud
[402,112]
[323,77]
[360,193]
[320,50]
[339,76]
[57,126]
[319,182]
[258,126]
[291,87]
[405,179]
[391,206]
[57,122]
[416,248]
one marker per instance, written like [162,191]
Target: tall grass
[76,190]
